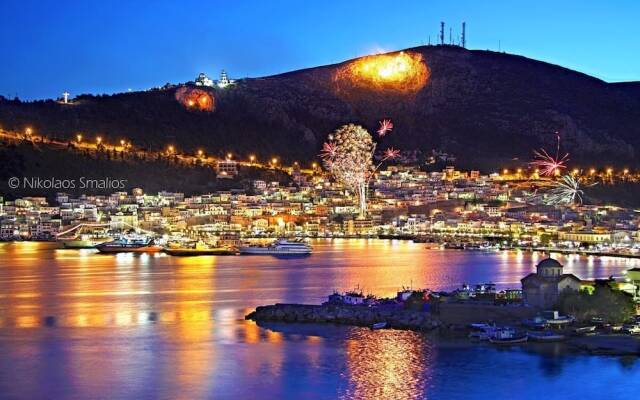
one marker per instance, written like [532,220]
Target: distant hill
[486,108]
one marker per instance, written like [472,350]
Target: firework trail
[385,126]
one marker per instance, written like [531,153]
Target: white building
[224,80]
[203,80]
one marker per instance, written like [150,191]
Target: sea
[75,324]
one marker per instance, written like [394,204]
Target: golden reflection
[387,364]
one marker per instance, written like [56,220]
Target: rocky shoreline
[449,323]
[346,315]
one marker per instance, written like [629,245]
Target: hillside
[487,108]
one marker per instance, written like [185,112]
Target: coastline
[450,324]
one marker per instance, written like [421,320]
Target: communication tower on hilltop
[464,35]
[441,33]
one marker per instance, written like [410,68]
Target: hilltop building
[542,288]
[203,80]
[224,80]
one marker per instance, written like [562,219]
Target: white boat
[482,331]
[632,329]
[280,247]
[507,336]
[585,330]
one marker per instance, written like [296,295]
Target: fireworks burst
[348,156]
[566,191]
[549,165]
[328,150]
[385,126]
[546,163]
[390,154]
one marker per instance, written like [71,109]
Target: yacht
[280,247]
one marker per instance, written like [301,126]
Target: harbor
[158,317]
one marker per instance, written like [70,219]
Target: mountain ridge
[485,107]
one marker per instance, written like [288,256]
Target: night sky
[48,47]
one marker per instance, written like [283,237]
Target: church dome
[549,263]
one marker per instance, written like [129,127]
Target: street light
[200,153]
[170,149]
[79,138]
[229,155]
[99,140]
[252,158]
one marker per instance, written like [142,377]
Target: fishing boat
[545,336]
[507,336]
[280,247]
[482,331]
[128,244]
[379,325]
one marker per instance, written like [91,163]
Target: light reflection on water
[75,324]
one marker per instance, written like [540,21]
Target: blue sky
[108,46]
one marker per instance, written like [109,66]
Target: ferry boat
[129,245]
[280,247]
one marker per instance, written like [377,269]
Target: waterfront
[75,324]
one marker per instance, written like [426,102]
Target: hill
[486,108]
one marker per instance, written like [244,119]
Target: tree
[613,306]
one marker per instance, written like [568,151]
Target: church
[542,288]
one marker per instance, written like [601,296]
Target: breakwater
[395,317]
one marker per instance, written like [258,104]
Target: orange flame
[400,72]
[196,99]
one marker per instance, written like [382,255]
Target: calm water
[75,324]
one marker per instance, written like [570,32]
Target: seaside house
[542,288]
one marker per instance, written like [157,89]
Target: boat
[83,242]
[545,336]
[199,249]
[379,325]
[507,336]
[129,245]
[482,331]
[280,247]
[535,323]
[631,329]
[585,330]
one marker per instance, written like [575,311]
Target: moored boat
[545,336]
[199,249]
[585,330]
[280,247]
[129,245]
[507,336]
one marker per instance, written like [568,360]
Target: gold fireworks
[400,72]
